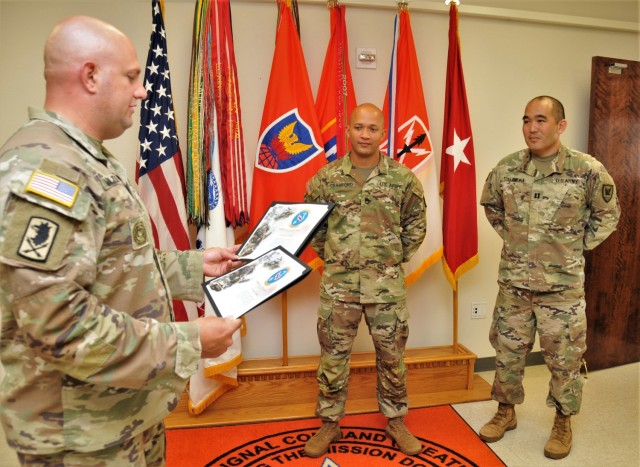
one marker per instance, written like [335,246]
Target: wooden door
[613,269]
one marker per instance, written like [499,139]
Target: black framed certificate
[288,225]
[243,289]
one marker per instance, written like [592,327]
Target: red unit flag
[336,96]
[458,169]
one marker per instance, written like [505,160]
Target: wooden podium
[270,391]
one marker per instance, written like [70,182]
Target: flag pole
[455,318]
[285,334]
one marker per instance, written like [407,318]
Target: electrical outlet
[478,310]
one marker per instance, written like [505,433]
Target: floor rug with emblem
[446,438]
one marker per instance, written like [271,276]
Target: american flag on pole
[159,169]
[457,168]
[409,140]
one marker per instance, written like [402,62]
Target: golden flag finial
[403,5]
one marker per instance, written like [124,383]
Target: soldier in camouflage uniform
[548,203]
[92,363]
[378,222]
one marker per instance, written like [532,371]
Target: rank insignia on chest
[38,239]
[53,188]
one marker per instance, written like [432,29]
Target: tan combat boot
[407,443]
[559,443]
[319,443]
[503,420]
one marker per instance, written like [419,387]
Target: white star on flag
[166,133]
[159,170]
[457,150]
[146,146]
[152,69]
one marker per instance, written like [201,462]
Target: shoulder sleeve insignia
[38,239]
[36,236]
[53,188]
[607,192]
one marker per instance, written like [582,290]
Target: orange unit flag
[289,146]
[407,126]
[458,168]
[336,96]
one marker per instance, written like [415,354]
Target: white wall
[505,63]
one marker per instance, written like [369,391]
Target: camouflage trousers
[337,328]
[147,449]
[560,320]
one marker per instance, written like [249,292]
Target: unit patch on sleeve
[53,188]
[36,236]
[38,239]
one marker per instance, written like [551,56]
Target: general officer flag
[409,139]
[159,169]
[458,170]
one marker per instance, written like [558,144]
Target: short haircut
[557,109]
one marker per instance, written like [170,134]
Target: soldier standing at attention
[548,203]
[378,222]
[93,364]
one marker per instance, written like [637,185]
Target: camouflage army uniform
[91,360]
[546,222]
[373,229]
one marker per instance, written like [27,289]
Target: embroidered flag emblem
[53,188]
[38,239]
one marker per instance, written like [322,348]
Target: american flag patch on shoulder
[53,188]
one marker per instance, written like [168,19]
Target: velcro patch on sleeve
[36,236]
[53,188]
[38,239]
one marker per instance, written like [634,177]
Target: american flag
[159,169]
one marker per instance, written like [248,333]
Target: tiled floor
[606,432]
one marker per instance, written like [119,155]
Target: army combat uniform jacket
[90,356]
[546,222]
[375,227]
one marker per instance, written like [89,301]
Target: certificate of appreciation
[288,225]
[243,289]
